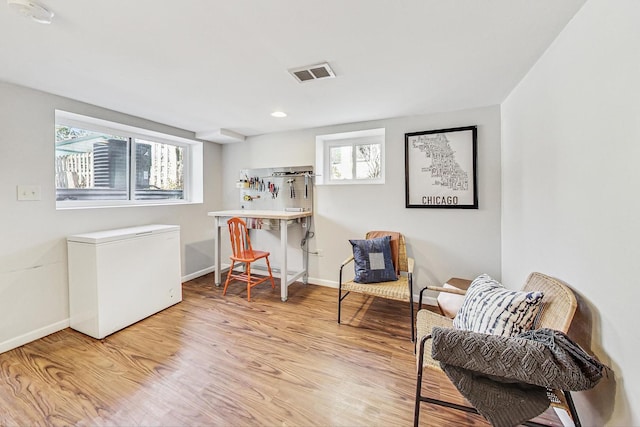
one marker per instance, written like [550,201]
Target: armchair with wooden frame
[559,306]
[399,290]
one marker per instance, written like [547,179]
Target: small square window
[351,157]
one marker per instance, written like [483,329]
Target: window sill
[354,182]
[128,204]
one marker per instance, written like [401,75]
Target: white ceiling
[205,65]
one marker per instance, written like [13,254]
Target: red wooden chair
[242,252]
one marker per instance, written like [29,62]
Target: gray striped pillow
[490,308]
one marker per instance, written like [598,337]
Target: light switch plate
[29,192]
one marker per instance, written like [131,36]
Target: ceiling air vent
[313,72]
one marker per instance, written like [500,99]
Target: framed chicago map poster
[440,168]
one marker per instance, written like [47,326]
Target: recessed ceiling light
[31,9]
[279,114]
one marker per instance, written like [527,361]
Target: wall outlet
[29,192]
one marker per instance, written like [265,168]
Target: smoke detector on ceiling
[31,9]
[312,72]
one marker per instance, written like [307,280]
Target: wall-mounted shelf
[289,175]
[277,188]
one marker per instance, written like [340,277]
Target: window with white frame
[101,163]
[351,157]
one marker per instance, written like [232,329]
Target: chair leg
[413,323]
[339,294]
[339,304]
[273,284]
[416,412]
[226,283]
[572,408]
[248,268]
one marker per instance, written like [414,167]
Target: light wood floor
[214,360]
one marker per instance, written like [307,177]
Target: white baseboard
[322,282]
[426,300]
[33,335]
[197,274]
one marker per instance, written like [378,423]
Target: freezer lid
[122,233]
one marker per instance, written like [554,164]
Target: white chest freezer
[118,277]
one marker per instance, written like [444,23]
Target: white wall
[33,252]
[444,242]
[571,146]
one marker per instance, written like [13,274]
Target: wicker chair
[399,290]
[559,306]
